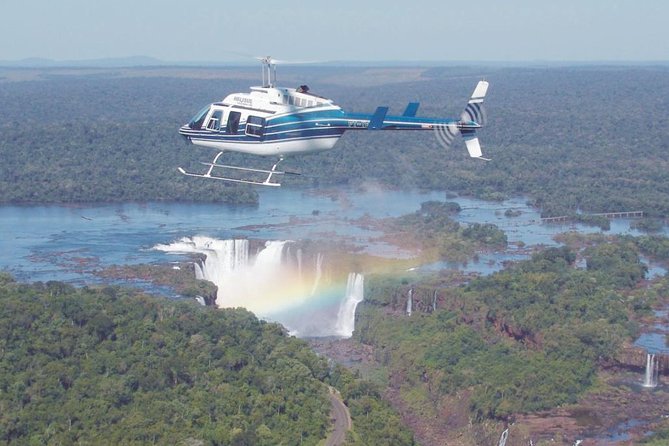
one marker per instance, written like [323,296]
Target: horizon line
[152,62]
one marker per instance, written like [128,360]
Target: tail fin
[474,110]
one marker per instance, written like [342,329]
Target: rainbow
[277,284]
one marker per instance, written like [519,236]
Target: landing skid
[214,165]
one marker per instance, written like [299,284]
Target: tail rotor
[473,117]
[446,134]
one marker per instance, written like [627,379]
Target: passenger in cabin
[303,89]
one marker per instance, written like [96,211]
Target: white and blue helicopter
[282,122]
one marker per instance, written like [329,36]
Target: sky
[335,30]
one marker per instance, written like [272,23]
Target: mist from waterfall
[319,273]
[277,283]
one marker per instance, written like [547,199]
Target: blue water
[40,243]
[653,343]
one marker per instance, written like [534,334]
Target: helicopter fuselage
[271,121]
[281,122]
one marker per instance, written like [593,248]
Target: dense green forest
[590,138]
[438,236]
[522,340]
[112,366]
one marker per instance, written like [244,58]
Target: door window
[233,122]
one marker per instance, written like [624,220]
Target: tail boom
[473,117]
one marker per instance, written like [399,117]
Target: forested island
[571,139]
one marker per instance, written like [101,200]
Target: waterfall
[222,255]
[652,371]
[271,256]
[227,265]
[355,290]
[278,283]
[434,301]
[504,437]
[410,302]
[319,273]
[199,274]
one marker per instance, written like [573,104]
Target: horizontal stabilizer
[411,110]
[376,122]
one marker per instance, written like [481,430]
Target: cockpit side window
[215,120]
[233,122]
[196,122]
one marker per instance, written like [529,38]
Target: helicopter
[279,122]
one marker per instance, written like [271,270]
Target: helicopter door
[255,126]
[232,125]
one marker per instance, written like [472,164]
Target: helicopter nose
[183,132]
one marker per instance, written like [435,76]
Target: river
[74,243]
[67,243]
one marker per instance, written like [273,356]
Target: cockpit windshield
[196,122]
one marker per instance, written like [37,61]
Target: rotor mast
[268,71]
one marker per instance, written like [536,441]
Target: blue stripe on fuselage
[241,137]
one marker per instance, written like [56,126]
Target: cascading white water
[227,266]
[271,256]
[199,274]
[652,371]
[223,256]
[503,437]
[276,285]
[355,292]
[410,302]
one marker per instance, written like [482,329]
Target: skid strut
[214,165]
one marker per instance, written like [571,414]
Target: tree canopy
[112,366]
